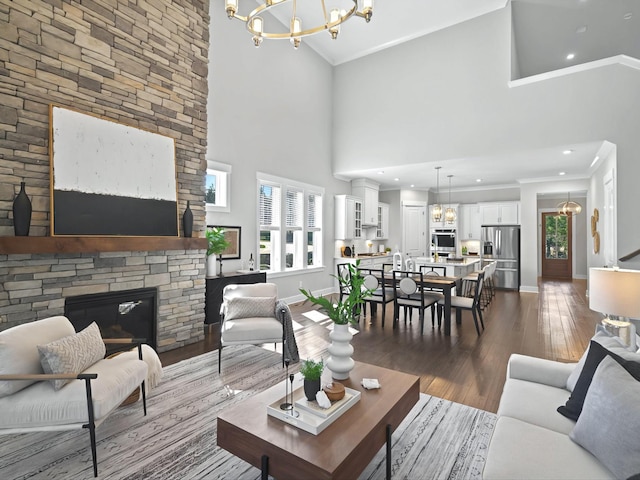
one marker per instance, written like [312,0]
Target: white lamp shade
[615,291]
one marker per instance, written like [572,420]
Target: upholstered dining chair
[433,271]
[409,293]
[249,317]
[467,303]
[381,292]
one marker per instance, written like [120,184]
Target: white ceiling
[545,32]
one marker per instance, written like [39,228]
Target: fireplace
[123,314]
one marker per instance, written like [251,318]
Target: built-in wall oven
[443,241]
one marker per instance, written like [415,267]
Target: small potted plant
[311,371]
[217,244]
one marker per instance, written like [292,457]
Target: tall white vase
[340,362]
[211,266]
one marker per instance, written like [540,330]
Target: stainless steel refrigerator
[501,243]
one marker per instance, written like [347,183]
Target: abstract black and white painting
[110,179]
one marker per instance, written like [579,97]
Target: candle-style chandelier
[332,19]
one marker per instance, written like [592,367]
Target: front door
[556,245]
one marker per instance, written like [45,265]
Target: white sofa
[531,439]
[29,401]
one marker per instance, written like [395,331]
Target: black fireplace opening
[123,314]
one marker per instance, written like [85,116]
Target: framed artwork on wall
[233,235]
[108,178]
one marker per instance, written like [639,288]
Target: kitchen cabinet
[367,261]
[382,231]
[368,191]
[469,222]
[496,213]
[348,217]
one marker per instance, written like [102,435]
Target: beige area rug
[177,439]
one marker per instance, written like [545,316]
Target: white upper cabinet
[382,231]
[500,213]
[368,191]
[469,222]
[348,217]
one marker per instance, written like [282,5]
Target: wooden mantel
[64,244]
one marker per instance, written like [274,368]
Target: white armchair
[252,315]
[81,389]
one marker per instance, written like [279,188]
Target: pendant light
[436,210]
[450,212]
[569,207]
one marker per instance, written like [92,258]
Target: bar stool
[470,282]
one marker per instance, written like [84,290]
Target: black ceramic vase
[311,387]
[21,213]
[187,221]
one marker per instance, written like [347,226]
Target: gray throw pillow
[72,354]
[610,420]
[245,307]
[605,339]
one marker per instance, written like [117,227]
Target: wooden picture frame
[234,236]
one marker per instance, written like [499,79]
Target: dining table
[438,283]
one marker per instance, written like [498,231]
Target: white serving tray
[307,420]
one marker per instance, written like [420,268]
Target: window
[290,224]
[217,187]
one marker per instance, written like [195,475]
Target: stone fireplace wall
[35,286]
[142,64]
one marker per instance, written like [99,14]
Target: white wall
[270,110]
[596,200]
[447,96]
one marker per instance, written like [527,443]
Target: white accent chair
[29,402]
[248,316]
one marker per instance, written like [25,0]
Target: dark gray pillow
[610,420]
[595,355]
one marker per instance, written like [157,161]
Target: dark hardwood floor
[555,324]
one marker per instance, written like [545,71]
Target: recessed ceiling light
[628,16]
[380,172]
[581,29]
[396,179]
[412,185]
[478,180]
[571,56]
[562,173]
[567,152]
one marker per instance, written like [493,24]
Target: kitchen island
[455,268]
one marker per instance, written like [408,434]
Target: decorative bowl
[335,391]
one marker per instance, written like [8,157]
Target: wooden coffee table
[343,450]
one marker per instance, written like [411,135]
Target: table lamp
[616,292]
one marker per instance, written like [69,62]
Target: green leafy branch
[347,310]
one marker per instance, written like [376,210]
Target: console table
[215,286]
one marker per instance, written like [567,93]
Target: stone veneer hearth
[35,286]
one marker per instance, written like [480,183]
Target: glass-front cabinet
[382,230]
[348,217]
